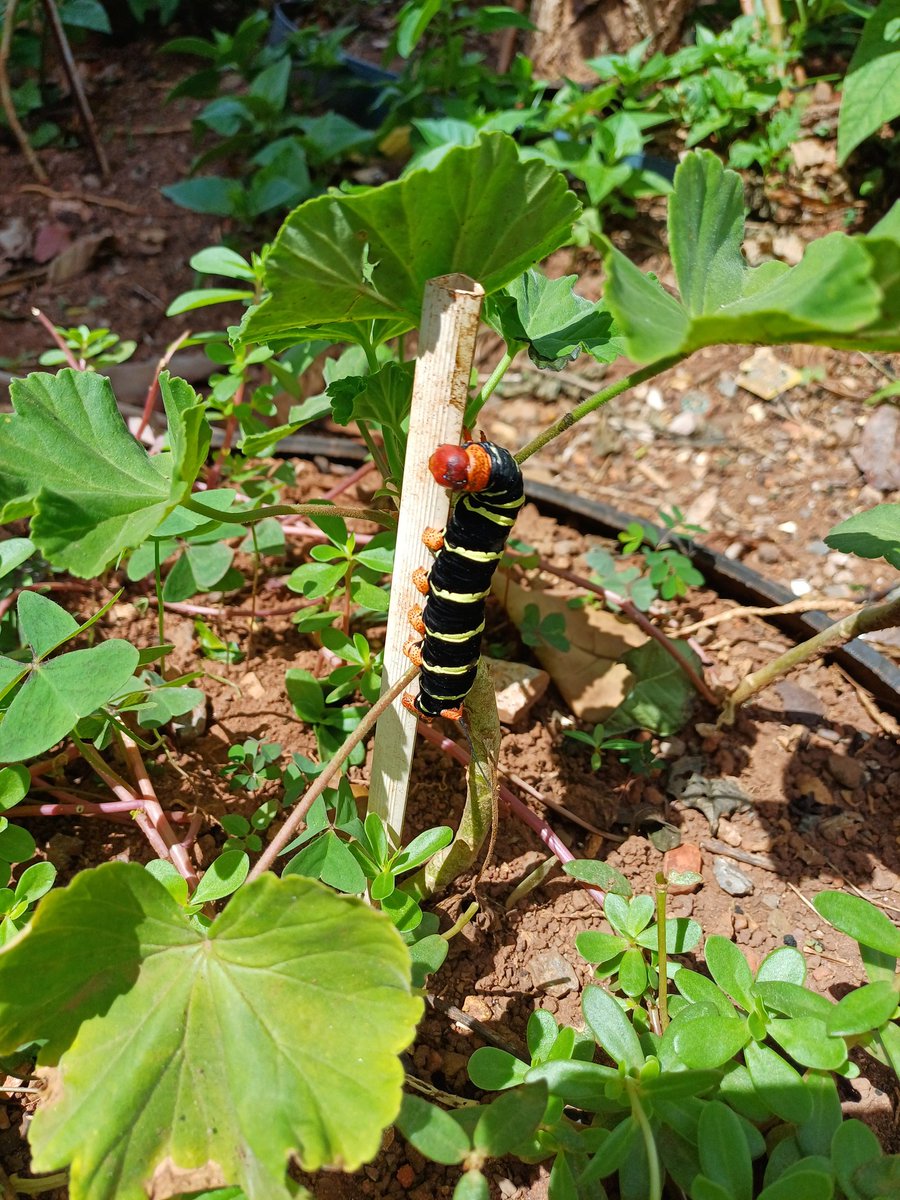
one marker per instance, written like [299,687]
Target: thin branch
[376,515]
[154,813]
[295,821]
[81,100]
[643,622]
[595,402]
[864,620]
[51,329]
[526,815]
[153,389]
[6,96]
[754,610]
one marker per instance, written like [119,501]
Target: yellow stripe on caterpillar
[451,670]
[459,597]
[474,555]
[488,516]
[457,637]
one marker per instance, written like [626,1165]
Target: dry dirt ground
[818,760]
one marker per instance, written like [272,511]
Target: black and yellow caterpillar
[460,578]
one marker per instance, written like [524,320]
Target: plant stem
[595,402]
[637,1111]
[526,815]
[490,384]
[301,808]
[51,329]
[6,96]
[634,614]
[160,604]
[154,814]
[378,516]
[864,620]
[153,389]
[662,964]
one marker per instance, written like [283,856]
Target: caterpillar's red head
[461,468]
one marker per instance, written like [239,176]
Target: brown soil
[817,759]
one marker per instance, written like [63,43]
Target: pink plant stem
[51,330]
[51,586]
[193,829]
[526,815]
[155,814]
[206,610]
[349,481]
[643,622]
[153,389]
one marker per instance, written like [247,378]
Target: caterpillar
[467,555]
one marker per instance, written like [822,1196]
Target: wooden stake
[450,313]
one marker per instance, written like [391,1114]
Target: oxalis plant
[188,1050]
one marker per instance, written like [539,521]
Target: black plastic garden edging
[869,668]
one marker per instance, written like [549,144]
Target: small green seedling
[549,630]
[222,878]
[638,757]
[92,348]
[16,905]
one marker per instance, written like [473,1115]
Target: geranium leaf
[68,461]
[344,258]
[275,1032]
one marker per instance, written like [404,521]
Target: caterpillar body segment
[460,578]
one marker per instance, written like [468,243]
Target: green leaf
[599,947]
[785,964]
[13,552]
[132,999]
[710,1041]
[598,874]
[67,457]
[510,1119]
[730,970]
[347,258]
[472,1186]
[14,784]
[724,1154]
[860,920]
[871,534]
[706,227]
[700,990]
[553,320]
[224,876]
[863,1010]
[706,1189]
[34,882]
[778,1083]
[56,693]
[611,1028]
[203,298]
[845,291]
[871,91]
[328,858]
[807,1042]
[305,694]
[421,848]
[213,194]
[494,1070]
[432,1131]
[853,1145]
[661,697]
[16,845]
[800,1185]
[220,260]
[682,935]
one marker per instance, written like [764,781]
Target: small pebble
[552,973]
[731,878]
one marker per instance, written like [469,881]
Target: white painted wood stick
[450,312]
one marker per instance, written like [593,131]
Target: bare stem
[595,402]
[643,622]
[6,97]
[51,330]
[294,822]
[153,389]
[376,515]
[864,620]
[526,815]
[154,814]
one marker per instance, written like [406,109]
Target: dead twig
[9,105]
[71,69]
[753,610]
[714,846]
[84,198]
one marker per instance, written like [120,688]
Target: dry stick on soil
[447,333]
[865,620]
[71,70]
[9,105]
[763,861]
[634,614]
[84,198]
[552,841]
[295,821]
[795,606]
